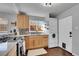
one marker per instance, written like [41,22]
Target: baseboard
[75,54]
[54,47]
[69,52]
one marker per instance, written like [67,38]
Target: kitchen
[30,29]
[26,31]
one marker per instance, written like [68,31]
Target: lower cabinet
[36,41]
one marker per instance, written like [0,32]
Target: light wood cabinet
[22,21]
[36,41]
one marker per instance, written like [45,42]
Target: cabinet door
[45,41]
[26,22]
[22,21]
[26,42]
[19,21]
[31,43]
[36,43]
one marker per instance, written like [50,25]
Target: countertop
[29,34]
[11,45]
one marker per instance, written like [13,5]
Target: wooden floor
[57,52]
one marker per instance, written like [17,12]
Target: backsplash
[23,31]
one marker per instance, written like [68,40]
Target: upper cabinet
[3,25]
[22,21]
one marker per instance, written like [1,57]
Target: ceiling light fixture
[47,4]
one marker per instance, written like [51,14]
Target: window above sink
[37,24]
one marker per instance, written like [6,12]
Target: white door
[52,42]
[65,33]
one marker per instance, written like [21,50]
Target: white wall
[74,12]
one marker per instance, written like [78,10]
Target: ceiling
[35,8]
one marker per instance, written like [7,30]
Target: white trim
[75,54]
[72,52]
